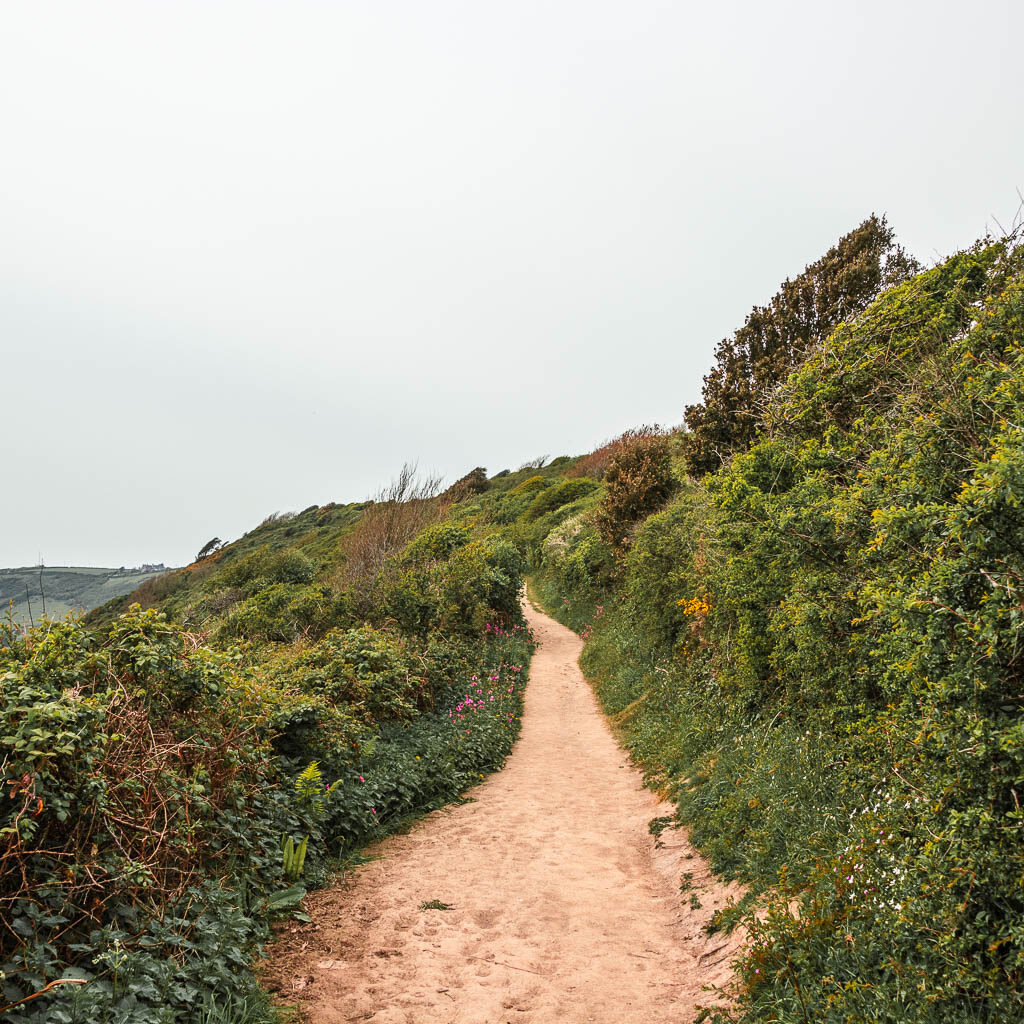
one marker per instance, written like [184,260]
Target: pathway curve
[564,909]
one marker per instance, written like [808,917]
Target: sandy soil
[564,908]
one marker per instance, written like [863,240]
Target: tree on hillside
[209,547]
[474,482]
[777,337]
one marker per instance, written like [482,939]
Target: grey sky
[253,256]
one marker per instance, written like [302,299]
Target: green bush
[436,543]
[285,612]
[477,581]
[135,776]
[560,494]
[579,563]
[263,567]
[416,766]
[379,676]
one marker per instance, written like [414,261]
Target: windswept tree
[209,547]
[776,338]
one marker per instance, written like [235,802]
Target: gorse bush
[776,338]
[436,543]
[559,495]
[264,567]
[457,594]
[282,613]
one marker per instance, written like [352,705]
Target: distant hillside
[186,594]
[66,588]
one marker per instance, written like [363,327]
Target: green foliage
[377,674]
[512,504]
[417,766]
[293,857]
[133,779]
[458,594]
[577,570]
[312,792]
[284,613]
[558,495]
[436,543]
[776,338]
[435,905]
[264,567]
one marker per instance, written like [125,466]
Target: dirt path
[563,909]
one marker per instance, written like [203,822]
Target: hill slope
[65,589]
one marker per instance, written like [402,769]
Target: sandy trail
[563,907]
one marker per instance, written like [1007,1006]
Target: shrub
[558,495]
[776,338]
[376,674]
[638,481]
[135,777]
[474,482]
[478,581]
[263,568]
[436,543]
[577,557]
[283,613]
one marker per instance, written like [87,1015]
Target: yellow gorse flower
[694,606]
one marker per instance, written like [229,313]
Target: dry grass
[398,512]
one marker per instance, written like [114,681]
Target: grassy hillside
[64,589]
[179,776]
[314,534]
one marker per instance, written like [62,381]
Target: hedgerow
[160,781]
[816,651]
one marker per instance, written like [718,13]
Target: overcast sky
[253,256]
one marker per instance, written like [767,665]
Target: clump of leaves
[436,905]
